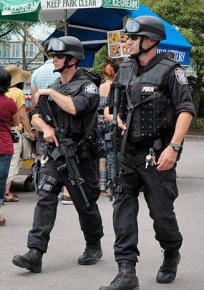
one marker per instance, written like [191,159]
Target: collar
[155,60]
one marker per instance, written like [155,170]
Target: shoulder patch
[180,76]
[91,88]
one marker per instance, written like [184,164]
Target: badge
[180,76]
[91,88]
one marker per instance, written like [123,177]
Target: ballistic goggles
[134,27]
[56,45]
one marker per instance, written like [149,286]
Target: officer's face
[58,61]
[133,44]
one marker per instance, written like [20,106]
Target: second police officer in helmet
[73,101]
[159,110]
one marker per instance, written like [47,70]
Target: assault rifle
[65,153]
[111,140]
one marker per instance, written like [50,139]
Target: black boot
[168,269]
[91,254]
[126,278]
[31,261]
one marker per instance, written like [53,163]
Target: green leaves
[188,16]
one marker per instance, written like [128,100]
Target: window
[15,50]
[4,50]
[30,49]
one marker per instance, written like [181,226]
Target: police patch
[147,89]
[91,88]
[180,76]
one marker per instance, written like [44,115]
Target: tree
[21,30]
[5,29]
[188,16]
[99,59]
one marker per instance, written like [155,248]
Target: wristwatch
[176,147]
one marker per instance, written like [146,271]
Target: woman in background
[109,70]
[8,117]
[18,78]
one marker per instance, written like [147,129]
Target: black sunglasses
[133,36]
[60,56]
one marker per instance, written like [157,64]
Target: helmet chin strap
[66,65]
[143,50]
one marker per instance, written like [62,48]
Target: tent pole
[65,23]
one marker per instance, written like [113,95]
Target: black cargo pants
[160,191]
[51,182]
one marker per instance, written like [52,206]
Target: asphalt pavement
[60,269]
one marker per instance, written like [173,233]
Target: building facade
[11,52]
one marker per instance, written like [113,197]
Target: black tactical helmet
[67,45]
[149,26]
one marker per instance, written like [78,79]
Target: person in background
[153,129]
[8,118]
[66,199]
[41,78]
[109,69]
[15,92]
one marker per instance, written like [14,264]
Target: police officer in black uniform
[73,99]
[158,111]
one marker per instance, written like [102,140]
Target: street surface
[60,268]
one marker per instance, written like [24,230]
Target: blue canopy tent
[92,24]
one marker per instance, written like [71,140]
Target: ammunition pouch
[48,183]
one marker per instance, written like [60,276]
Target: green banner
[14,7]
[122,4]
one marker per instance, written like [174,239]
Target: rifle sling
[122,148]
[88,131]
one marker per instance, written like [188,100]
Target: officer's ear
[151,41]
[148,42]
[73,60]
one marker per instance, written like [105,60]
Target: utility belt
[91,146]
[157,144]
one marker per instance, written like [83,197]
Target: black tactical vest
[153,116]
[75,126]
